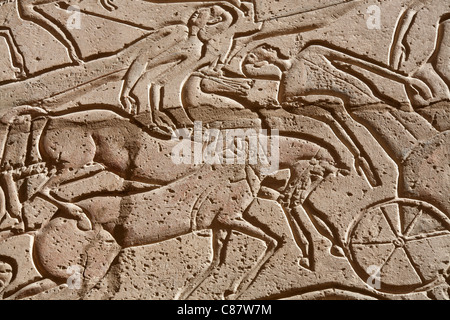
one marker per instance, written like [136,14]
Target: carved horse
[161,200]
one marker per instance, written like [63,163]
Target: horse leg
[18,61]
[28,12]
[251,230]
[66,175]
[219,237]
[14,207]
[306,176]
[70,162]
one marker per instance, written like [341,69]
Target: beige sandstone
[242,149]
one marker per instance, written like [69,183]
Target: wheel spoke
[378,254]
[370,243]
[411,260]
[427,236]
[399,271]
[373,229]
[389,219]
[388,258]
[413,223]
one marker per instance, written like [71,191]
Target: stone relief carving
[225,150]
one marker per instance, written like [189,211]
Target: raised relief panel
[237,149]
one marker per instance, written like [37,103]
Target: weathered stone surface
[241,149]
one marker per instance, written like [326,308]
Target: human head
[198,20]
[266,53]
[209,22]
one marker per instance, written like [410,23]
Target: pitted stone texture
[241,149]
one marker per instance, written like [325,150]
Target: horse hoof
[230,295]
[305,263]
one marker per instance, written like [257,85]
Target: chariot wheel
[400,246]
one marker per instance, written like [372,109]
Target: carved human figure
[205,42]
[215,35]
[209,89]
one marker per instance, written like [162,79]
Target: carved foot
[129,104]
[19,72]
[230,295]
